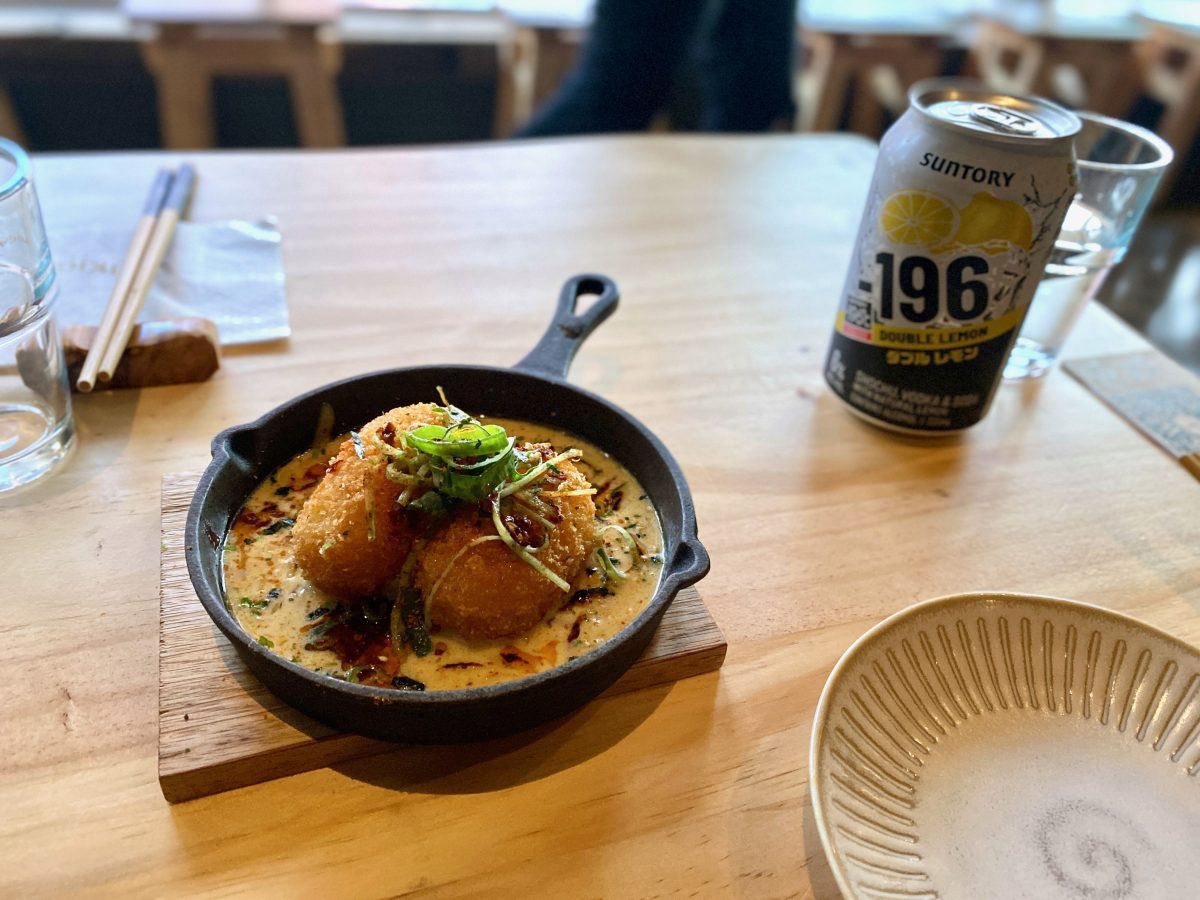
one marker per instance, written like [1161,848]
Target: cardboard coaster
[1161,399]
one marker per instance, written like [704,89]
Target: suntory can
[969,193]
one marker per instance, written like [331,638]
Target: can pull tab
[1002,119]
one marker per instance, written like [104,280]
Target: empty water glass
[36,430]
[1120,166]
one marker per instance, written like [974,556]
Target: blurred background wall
[85,75]
[106,74]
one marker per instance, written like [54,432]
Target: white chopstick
[178,198]
[160,240]
[129,267]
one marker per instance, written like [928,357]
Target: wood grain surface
[219,728]
[730,252]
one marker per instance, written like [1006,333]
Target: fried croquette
[332,535]
[488,591]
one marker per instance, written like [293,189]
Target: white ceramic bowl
[1008,746]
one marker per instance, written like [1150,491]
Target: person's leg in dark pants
[745,65]
[632,53]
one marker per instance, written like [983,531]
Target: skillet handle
[553,354]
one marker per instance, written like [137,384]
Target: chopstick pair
[168,198]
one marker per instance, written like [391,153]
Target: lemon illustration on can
[917,217]
[992,225]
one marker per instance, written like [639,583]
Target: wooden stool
[876,70]
[185,58]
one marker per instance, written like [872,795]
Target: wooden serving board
[219,728]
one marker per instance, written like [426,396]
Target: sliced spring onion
[537,472]
[575,492]
[359,450]
[396,626]
[404,582]
[521,500]
[479,465]
[478,480]
[472,430]
[468,438]
[387,449]
[324,431]
[625,536]
[533,499]
[606,561]
[407,622]
[437,584]
[396,476]
[410,562]
[325,546]
[524,554]
[606,564]
[415,623]
[453,413]
[369,502]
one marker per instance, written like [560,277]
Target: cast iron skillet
[534,390]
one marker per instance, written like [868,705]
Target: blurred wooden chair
[184,59]
[544,46]
[518,68]
[10,122]
[1004,58]
[1169,60]
[519,50]
[871,72]
[815,54]
[1088,72]
[1104,75]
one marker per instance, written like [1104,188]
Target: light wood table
[730,253]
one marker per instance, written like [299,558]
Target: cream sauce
[274,603]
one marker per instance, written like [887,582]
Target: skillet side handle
[553,354]
[690,563]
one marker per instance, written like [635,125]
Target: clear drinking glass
[36,430]
[1119,168]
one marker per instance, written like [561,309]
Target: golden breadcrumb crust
[336,515]
[489,592]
